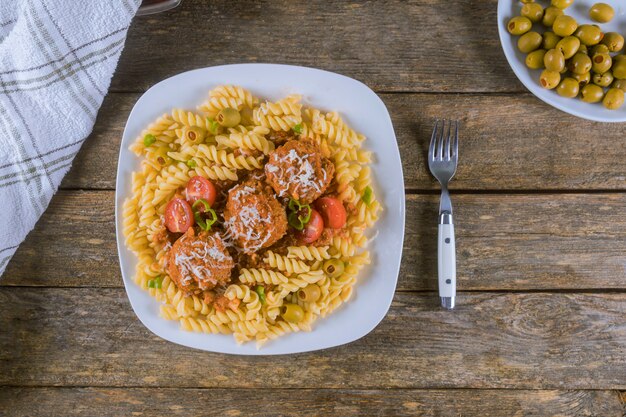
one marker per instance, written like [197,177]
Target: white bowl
[366,113]
[530,78]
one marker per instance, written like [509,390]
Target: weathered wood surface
[146,402]
[398,46]
[504,242]
[91,337]
[559,152]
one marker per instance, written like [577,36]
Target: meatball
[253,217]
[299,171]
[199,263]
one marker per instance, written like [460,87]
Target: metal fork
[443,155]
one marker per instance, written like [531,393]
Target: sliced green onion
[148,140]
[213,125]
[155,283]
[297,128]
[191,163]
[295,221]
[368,195]
[260,290]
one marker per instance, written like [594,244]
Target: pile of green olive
[577,60]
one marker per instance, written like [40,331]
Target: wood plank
[558,153]
[68,402]
[504,242]
[91,337]
[407,46]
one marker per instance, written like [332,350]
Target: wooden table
[540,327]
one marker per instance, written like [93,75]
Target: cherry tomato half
[332,211]
[313,229]
[178,216]
[200,188]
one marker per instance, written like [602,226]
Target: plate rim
[120,196]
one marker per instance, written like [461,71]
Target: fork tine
[433,140]
[440,140]
[448,142]
[455,142]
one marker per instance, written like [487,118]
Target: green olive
[529,41]
[603,80]
[619,67]
[589,34]
[583,79]
[562,4]
[621,84]
[533,11]
[519,25]
[591,93]
[534,60]
[568,46]
[599,49]
[579,64]
[549,79]
[601,63]
[568,87]
[554,60]
[550,15]
[583,49]
[601,12]
[564,25]
[613,41]
[228,117]
[550,40]
[292,313]
[333,268]
[310,293]
[160,156]
[613,99]
[527,1]
[193,134]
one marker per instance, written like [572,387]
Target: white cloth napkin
[56,62]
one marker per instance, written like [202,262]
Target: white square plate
[530,78]
[366,113]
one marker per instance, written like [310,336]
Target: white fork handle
[447,264]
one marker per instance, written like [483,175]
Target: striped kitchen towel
[56,62]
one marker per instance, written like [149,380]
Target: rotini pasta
[285,264]
[209,281]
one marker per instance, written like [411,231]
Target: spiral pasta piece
[246,141]
[257,130]
[285,264]
[215,172]
[300,281]
[236,92]
[261,276]
[229,160]
[285,123]
[202,326]
[189,118]
[216,104]
[308,253]
[290,105]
